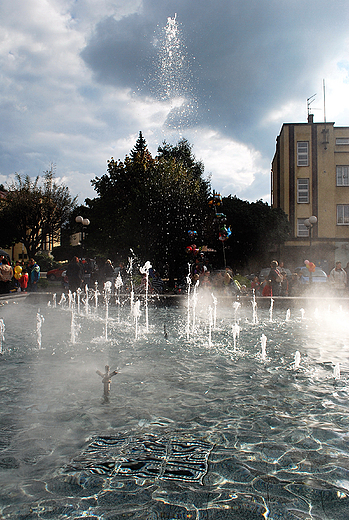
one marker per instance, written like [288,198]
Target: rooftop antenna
[310,100]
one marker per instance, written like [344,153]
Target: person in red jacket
[23,281]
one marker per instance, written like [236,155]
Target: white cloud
[248,80]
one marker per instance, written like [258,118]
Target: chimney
[310,118]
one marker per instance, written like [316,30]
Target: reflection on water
[202,427]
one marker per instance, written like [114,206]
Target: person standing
[75,274]
[6,274]
[23,281]
[338,278]
[33,275]
[275,278]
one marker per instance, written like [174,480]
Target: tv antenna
[309,102]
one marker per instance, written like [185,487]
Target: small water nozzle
[106,379]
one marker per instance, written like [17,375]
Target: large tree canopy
[256,231]
[149,204]
[34,209]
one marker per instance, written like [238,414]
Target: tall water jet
[188,301]
[297,360]
[78,296]
[96,294]
[195,302]
[87,297]
[214,311]
[136,314]
[173,81]
[210,323]
[288,315]
[107,292]
[264,346]
[271,309]
[254,310]
[337,371]
[73,328]
[2,333]
[129,271]
[39,321]
[236,332]
[145,270]
[118,284]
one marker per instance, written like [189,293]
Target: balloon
[224,233]
[311,267]
[18,272]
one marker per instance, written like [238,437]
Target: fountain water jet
[2,333]
[39,321]
[236,332]
[145,270]
[271,309]
[264,346]
[337,371]
[297,360]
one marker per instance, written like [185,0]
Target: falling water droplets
[172,80]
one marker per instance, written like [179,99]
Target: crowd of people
[18,277]
[278,281]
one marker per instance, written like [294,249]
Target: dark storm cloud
[245,57]
[120,52]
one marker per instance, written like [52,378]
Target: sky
[79,79]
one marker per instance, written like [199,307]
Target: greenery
[32,210]
[155,206]
[256,231]
[148,205]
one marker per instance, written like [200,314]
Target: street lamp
[84,222]
[310,223]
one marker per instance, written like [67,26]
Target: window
[302,230]
[302,153]
[343,214]
[342,174]
[342,140]
[303,191]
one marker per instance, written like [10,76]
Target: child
[23,281]
[267,288]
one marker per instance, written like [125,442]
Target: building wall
[329,241]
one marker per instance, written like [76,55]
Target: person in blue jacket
[34,275]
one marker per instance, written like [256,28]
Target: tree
[149,204]
[256,230]
[34,209]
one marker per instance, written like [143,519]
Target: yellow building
[310,178]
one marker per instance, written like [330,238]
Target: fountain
[192,427]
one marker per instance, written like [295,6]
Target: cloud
[79,80]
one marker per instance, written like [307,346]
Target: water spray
[39,321]
[145,270]
[2,333]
